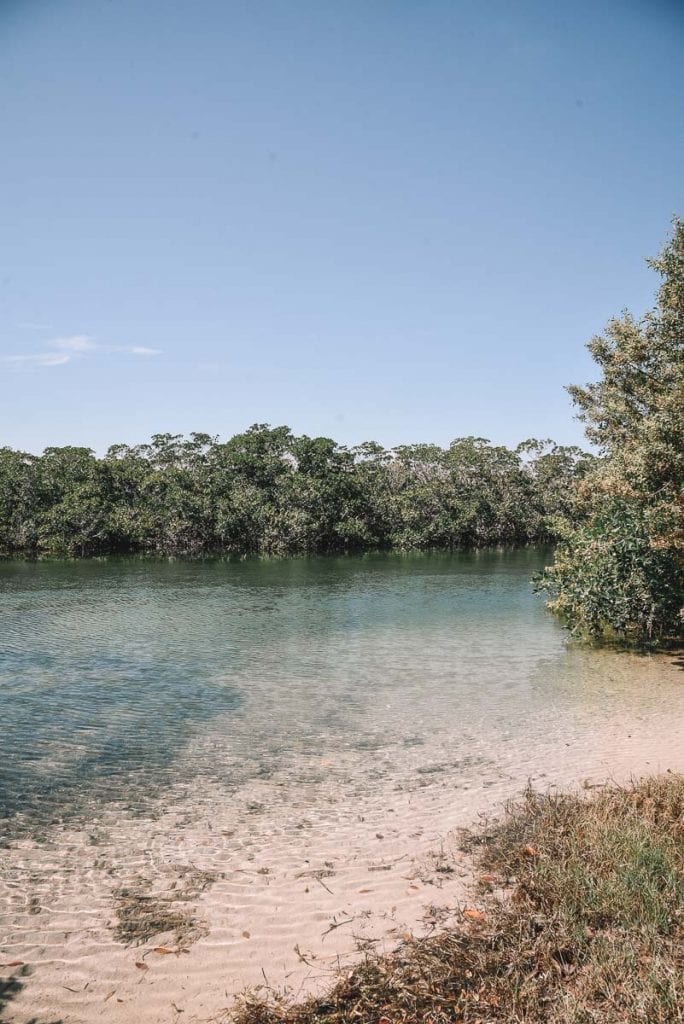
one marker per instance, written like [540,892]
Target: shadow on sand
[10,987]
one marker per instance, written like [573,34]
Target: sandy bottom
[284,880]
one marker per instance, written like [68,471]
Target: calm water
[121,678]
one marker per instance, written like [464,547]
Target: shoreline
[288,899]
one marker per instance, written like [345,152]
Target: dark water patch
[97,730]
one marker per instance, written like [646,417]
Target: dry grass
[578,919]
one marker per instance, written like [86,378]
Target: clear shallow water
[121,679]
[304,734]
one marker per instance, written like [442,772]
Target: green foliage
[266,490]
[611,581]
[619,573]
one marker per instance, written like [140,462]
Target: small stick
[338,924]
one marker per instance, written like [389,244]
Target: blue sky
[391,220]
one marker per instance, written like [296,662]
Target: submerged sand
[284,878]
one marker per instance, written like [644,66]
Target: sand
[285,880]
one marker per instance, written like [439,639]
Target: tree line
[269,491]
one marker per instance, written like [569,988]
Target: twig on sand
[387,867]
[302,958]
[338,924]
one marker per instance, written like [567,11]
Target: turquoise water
[120,678]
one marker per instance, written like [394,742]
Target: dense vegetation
[269,491]
[579,920]
[619,571]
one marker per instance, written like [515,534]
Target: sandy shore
[293,877]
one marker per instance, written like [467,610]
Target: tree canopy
[269,491]
[619,570]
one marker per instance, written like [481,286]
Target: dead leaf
[246,935]
[474,915]
[141,966]
[109,995]
[13,963]
[488,879]
[365,890]
[531,851]
[163,949]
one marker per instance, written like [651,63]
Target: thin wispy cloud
[59,351]
[76,343]
[38,359]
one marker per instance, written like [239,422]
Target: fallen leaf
[246,935]
[141,966]
[488,879]
[163,949]
[13,963]
[531,851]
[365,890]
[474,915]
[109,995]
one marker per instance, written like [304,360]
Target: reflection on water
[121,678]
